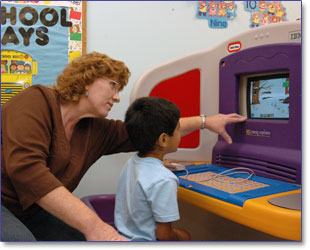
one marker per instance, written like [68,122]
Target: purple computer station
[263,83]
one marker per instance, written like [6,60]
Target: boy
[146,199]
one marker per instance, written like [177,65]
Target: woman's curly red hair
[84,70]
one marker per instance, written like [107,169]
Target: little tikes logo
[264,133]
[234,47]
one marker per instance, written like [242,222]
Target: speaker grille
[261,168]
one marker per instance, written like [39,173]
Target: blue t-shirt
[146,194]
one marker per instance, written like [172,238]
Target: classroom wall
[144,34]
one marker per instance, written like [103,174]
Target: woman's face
[102,94]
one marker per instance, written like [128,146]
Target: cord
[227,173]
[187,173]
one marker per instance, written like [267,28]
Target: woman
[52,136]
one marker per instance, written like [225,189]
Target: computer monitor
[265,96]
[264,84]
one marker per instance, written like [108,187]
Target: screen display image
[268,97]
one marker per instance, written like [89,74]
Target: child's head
[149,118]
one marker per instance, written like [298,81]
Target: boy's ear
[162,140]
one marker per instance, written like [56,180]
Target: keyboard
[224,183]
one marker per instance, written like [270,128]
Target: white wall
[144,34]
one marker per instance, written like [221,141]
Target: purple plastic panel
[278,155]
[103,205]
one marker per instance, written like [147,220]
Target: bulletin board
[42,36]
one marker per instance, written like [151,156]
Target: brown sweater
[36,156]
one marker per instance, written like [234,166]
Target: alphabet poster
[38,39]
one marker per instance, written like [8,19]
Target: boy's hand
[168,163]
[165,232]
[182,235]
[176,164]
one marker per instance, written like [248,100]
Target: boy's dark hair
[147,118]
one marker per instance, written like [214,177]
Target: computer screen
[265,95]
[268,97]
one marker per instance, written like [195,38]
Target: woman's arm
[68,208]
[165,232]
[215,123]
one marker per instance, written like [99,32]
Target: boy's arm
[165,232]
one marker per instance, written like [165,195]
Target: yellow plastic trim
[256,213]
